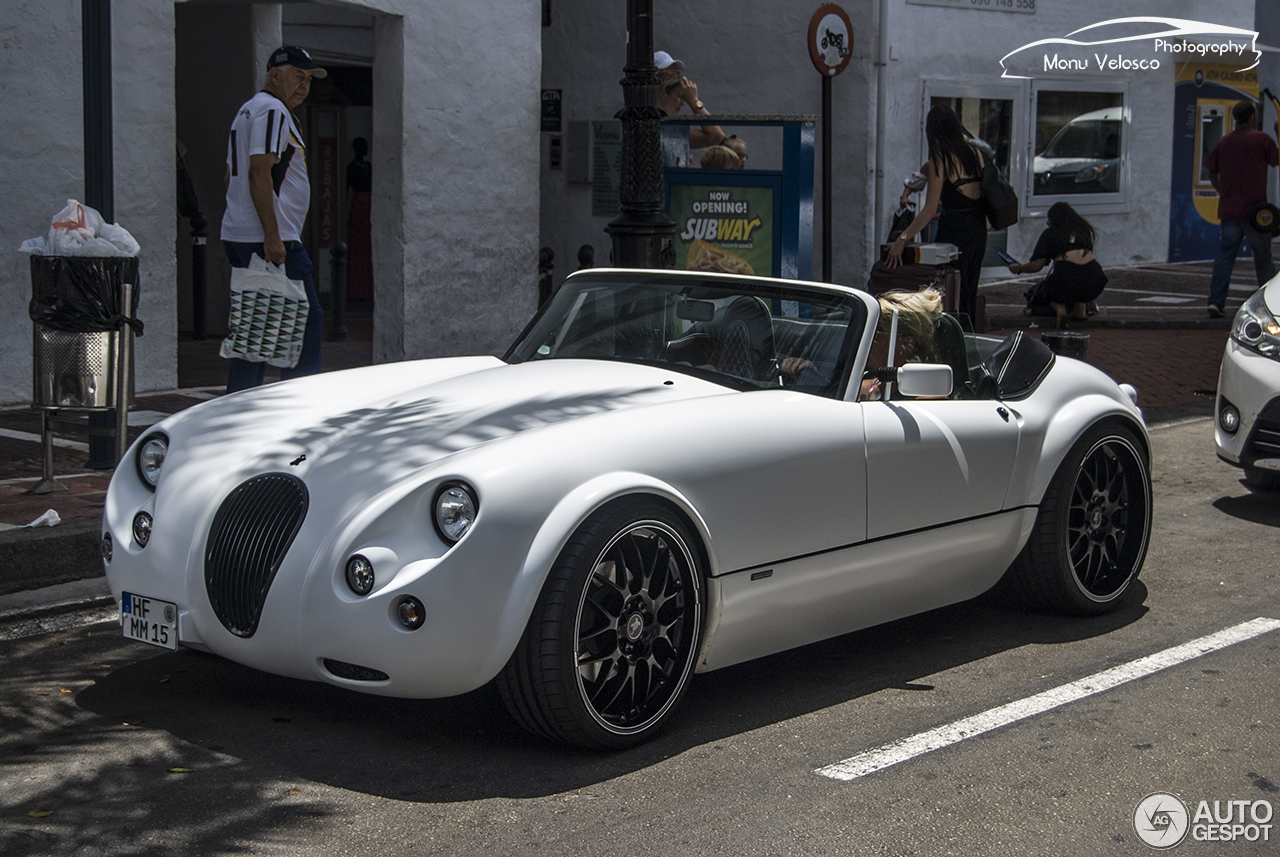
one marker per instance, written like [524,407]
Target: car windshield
[743,333]
[1093,140]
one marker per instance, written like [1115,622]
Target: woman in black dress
[1076,277]
[954,176]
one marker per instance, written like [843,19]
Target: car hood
[1271,296]
[1043,165]
[371,426]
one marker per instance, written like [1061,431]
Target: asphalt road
[131,750]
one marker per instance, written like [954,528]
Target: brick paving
[1168,367]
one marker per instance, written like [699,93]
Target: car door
[932,462]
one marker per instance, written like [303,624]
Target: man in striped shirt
[268,196]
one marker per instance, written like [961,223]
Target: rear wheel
[609,650]
[1091,534]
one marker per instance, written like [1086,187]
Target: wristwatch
[697,105]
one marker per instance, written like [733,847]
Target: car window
[746,333]
[1093,139]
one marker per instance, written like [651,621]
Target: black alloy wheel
[1093,527]
[609,650]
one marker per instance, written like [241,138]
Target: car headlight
[360,576]
[151,459]
[1091,174]
[1256,328]
[455,511]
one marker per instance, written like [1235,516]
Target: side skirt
[773,608]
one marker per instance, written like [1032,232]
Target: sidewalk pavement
[1151,331]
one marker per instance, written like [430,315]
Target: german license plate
[149,620]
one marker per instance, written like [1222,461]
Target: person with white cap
[268,196]
[674,91]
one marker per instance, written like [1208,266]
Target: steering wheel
[745,346]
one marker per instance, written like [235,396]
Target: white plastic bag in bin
[268,315]
[79,230]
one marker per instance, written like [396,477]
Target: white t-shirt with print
[262,126]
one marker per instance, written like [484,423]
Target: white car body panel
[863,512]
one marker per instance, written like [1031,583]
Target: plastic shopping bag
[79,230]
[268,315]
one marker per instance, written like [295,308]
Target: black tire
[1262,480]
[1091,534]
[608,652]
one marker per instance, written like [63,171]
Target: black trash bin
[1067,343]
[76,307]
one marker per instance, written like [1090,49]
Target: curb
[70,549]
[45,610]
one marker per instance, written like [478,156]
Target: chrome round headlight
[151,459]
[455,512]
[360,575]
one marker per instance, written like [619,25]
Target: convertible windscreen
[740,333]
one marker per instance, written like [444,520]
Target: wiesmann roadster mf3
[668,473]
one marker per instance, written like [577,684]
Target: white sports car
[669,472]
[1247,430]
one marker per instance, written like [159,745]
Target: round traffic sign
[830,40]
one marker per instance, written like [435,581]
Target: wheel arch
[1067,426]
[570,513]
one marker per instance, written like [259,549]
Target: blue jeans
[1233,232]
[242,374]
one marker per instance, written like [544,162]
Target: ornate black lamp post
[642,234]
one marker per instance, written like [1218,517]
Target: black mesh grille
[354,672]
[250,535]
[1265,442]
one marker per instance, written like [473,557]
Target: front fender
[559,525]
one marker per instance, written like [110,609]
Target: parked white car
[1247,428]
[669,472]
[1083,157]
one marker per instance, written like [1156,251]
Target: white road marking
[19,480]
[62,443]
[145,418]
[953,733]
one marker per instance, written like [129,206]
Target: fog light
[411,613]
[105,547]
[142,529]
[1229,419]
[360,575]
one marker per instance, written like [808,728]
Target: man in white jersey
[268,196]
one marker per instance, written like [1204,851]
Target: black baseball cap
[296,57]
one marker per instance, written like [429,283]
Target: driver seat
[949,348]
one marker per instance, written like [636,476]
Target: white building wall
[454,155]
[145,198]
[965,46]
[41,90]
[42,160]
